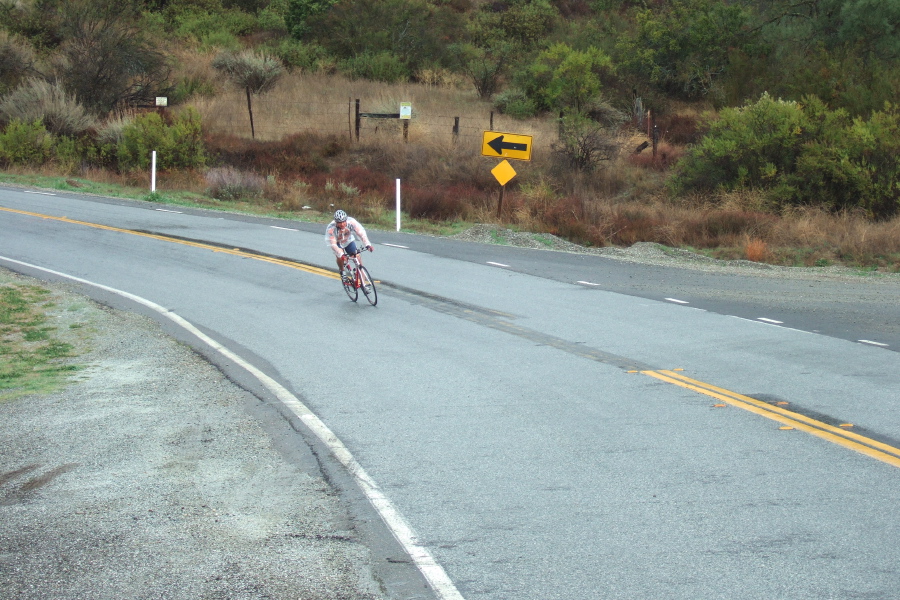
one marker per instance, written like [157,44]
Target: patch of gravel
[657,254]
[153,476]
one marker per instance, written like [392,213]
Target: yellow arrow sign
[506,145]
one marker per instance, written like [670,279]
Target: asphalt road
[531,429]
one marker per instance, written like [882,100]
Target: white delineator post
[398,205]
[153,172]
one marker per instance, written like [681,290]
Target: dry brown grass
[325,104]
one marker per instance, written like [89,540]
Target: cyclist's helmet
[340,216]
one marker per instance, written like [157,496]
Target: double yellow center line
[789,419]
[175,240]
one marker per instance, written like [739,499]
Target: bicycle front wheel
[368,286]
[350,288]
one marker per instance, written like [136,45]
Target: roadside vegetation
[35,353]
[752,129]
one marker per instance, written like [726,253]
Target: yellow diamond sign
[504,172]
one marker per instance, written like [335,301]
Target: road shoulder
[153,475]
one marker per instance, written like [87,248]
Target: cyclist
[342,234]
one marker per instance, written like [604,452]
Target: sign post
[505,145]
[503,173]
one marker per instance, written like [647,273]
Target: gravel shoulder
[154,476]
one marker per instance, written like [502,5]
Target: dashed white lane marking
[396,246]
[177,212]
[770,320]
[497,264]
[587,283]
[677,301]
[873,343]
[283,228]
[402,532]
[41,193]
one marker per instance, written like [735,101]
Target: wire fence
[275,119]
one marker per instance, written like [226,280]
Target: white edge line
[396,246]
[873,343]
[587,283]
[765,320]
[497,264]
[677,301]
[771,325]
[177,212]
[283,228]
[41,193]
[748,320]
[402,532]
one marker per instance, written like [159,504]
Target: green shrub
[177,146]
[746,147]
[800,154]
[219,40]
[271,20]
[297,55]
[562,77]
[25,143]
[516,104]
[382,66]
[200,24]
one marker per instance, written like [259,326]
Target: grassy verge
[38,338]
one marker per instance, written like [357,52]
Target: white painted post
[398,205]
[153,172]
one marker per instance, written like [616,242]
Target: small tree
[564,78]
[300,11]
[106,58]
[17,61]
[255,73]
[585,142]
[484,66]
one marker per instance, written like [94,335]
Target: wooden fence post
[357,119]
[455,129]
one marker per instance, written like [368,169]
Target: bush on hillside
[39,100]
[178,145]
[516,104]
[25,143]
[228,183]
[17,61]
[800,154]
[564,78]
[381,66]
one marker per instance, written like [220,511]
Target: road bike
[356,277]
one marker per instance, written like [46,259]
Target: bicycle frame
[361,280]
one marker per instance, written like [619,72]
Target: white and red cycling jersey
[339,238]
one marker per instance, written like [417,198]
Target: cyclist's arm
[331,240]
[361,232]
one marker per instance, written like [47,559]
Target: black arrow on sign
[499,145]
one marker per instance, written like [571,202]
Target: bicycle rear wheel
[350,288]
[368,286]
